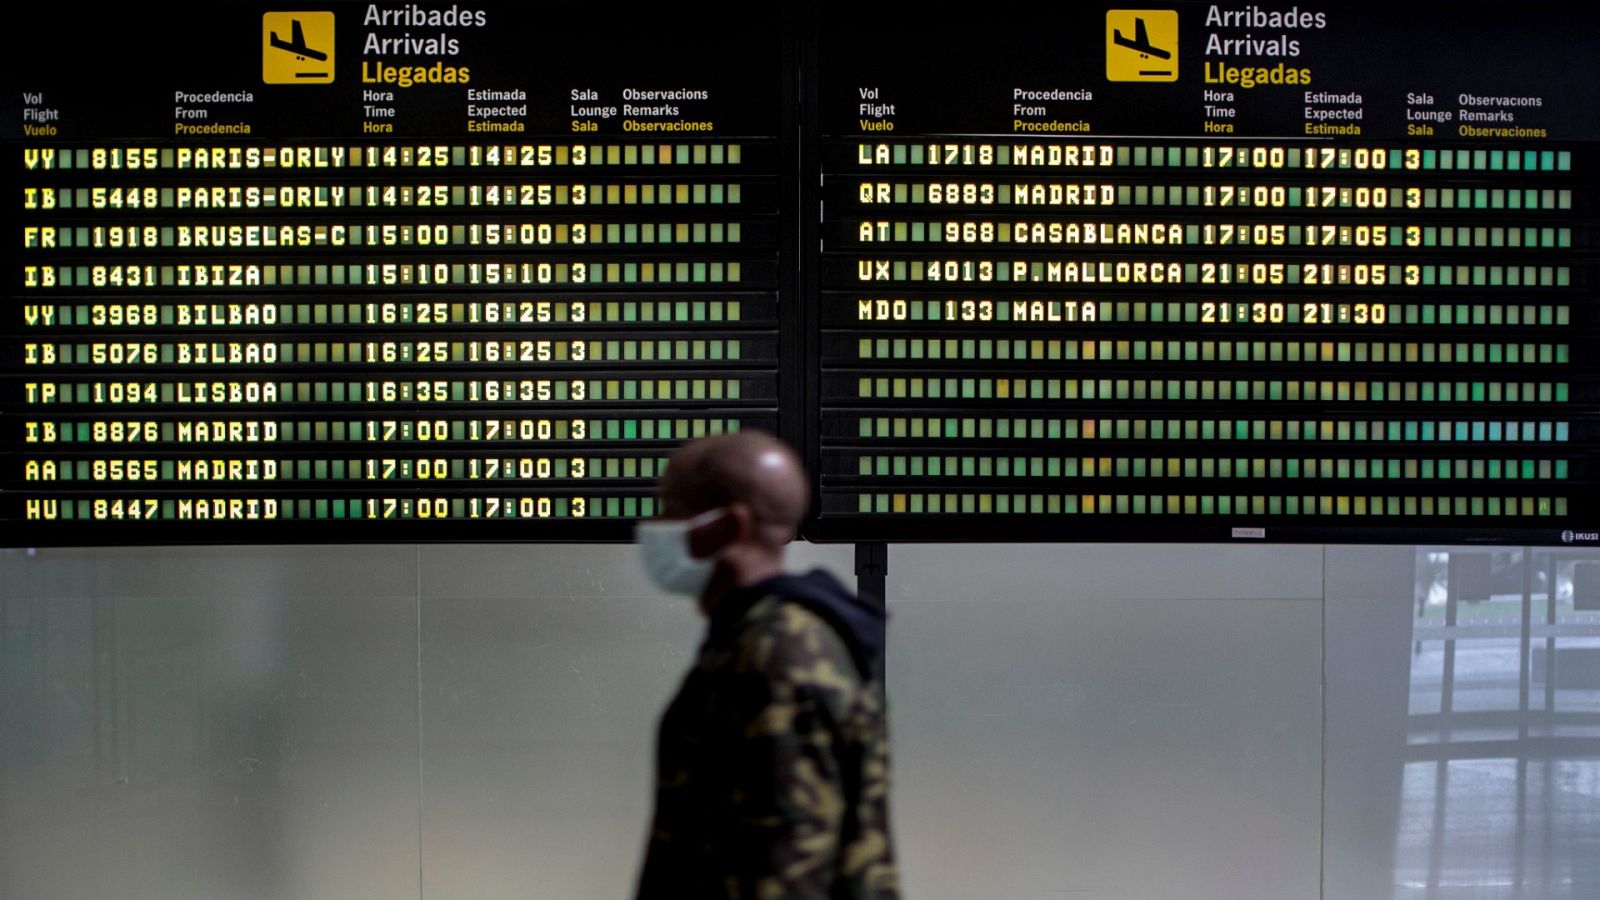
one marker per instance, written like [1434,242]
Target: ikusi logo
[1571,537]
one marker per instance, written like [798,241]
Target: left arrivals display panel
[377,272]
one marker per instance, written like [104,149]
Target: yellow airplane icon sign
[297,48]
[1142,45]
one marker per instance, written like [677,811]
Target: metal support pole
[872,571]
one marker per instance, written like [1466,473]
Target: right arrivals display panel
[1207,272]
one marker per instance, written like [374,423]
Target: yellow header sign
[297,48]
[1142,45]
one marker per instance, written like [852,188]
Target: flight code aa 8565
[509,468]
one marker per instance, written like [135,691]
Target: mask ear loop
[707,517]
[700,521]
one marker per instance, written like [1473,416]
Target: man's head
[746,494]
[752,474]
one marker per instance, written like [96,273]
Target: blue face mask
[668,561]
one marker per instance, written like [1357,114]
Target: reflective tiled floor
[1499,828]
[1499,795]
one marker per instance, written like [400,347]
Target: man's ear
[734,525]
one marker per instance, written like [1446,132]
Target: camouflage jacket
[773,769]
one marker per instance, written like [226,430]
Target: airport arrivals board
[420,271]
[384,271]
[1207,271]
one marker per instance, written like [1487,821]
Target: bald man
[772,778]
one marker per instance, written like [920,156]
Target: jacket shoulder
[785,642]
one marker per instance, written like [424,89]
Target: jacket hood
[859,622]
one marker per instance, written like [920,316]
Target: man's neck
[735,571]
